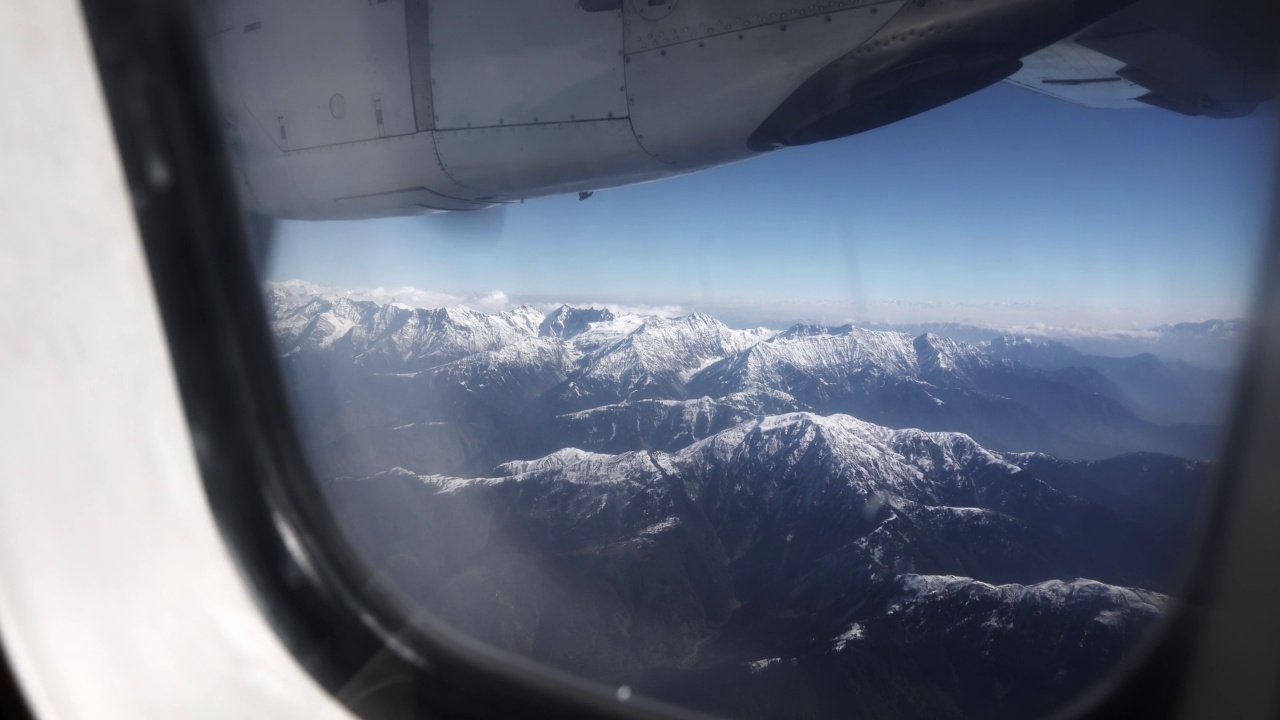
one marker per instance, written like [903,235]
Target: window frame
[349,629]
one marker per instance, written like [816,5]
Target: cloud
[1014,318]
[490,302]
[665,311]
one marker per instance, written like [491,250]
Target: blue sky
[1004,208]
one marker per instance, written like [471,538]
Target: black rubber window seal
[345,627]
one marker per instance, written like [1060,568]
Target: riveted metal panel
[334,72]
[518,161]
[399,175]
[495,62]
[679,93]
[706,18]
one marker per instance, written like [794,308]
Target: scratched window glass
[765,358]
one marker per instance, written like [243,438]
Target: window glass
[914,411]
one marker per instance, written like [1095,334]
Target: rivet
[663,52]
[337,106]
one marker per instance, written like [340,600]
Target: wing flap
[1069,71]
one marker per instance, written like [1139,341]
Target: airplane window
[763,358]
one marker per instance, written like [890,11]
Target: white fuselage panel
[496,63]
[695,103]
[360,108]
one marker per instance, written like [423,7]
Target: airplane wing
[1217,59]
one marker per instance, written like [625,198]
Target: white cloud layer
[491,302]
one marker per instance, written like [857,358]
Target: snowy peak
[811,356]
[317,322]
[993,610]
[800,330]
[395,338]
[1045,354]
[841,459]
[940,358]
[568,322]
[289,294]
[558,459]
[844,446]
[447,333]
[670,348]
[985,615]
[524,319]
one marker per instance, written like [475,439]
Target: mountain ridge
[821,541]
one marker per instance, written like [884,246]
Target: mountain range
[388,384]
[816,522]
[826,561]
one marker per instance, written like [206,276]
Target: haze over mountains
[1212,345]
[813,522]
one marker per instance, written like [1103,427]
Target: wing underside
[1182,57]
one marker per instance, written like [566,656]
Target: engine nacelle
[932,52]
[339,109]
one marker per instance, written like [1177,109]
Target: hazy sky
[1002,208]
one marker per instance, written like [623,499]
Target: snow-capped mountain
[816,522]
[773,538]
[652,361]
[396,338]
[566,322]
[531,378]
